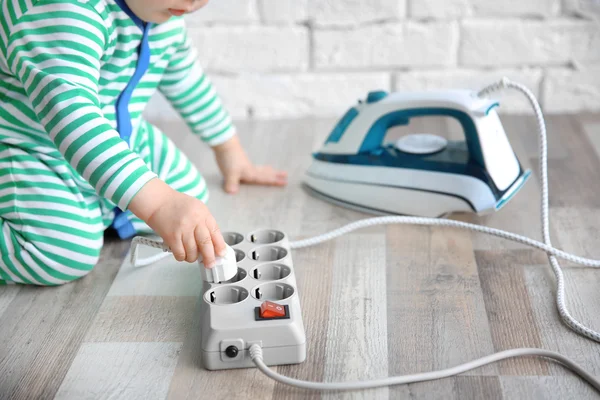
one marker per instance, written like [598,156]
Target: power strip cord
[546,246]
[257,358]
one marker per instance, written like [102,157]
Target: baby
[76,156]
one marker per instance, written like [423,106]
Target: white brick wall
[451,9]
[567,90]
[295,58]
[517,42]
[252,48]
[388,45]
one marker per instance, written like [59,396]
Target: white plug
[224,269]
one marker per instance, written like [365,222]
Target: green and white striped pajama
[75,77]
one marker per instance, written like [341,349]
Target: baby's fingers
[191,248]
[205,246]
[217,237]
[266,175]
[232,182]
[177,248]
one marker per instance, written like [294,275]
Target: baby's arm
[192,94]
[54,50]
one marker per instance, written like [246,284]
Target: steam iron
[420,174]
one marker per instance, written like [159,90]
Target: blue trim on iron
[374,137]
[121,222]
[337,132]
[496,104]
[375,96]
[513,189]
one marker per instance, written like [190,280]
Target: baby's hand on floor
[183,222]
[237,168]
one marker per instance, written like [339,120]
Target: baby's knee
[42,264]
[61,269]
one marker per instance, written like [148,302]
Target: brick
[224,11]
[354,12]
[583,8]
[569,91]
[387,45]
[477,8]
[283,11]
[252,48]
[516,43]
[510,102]
[276,96]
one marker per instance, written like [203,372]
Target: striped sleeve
[192,94]
[54,50]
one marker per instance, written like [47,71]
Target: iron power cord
[546,246]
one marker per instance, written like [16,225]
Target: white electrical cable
[444,223]
[387,221]
[140,240]
[256,356]
[546,246]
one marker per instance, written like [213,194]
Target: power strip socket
[260,304]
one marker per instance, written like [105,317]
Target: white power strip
[259,305]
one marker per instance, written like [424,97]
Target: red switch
[271,310]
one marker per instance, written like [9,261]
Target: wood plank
[158,279]
[583,301]
[191,380]
[511,318]
[314,273]
[591,128]
[41,335]
[7,295]
[524,129]
[576,230]
[121,370]
[477,387]
[572,183]
[459,388]
[546,387]
[442,389]
[143,319]
[357,330]
[436,314]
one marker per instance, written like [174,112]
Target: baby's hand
[182,221]
[237,168]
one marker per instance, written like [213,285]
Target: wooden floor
[378,302]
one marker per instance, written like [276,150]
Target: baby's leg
[50,233]
[171,165]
